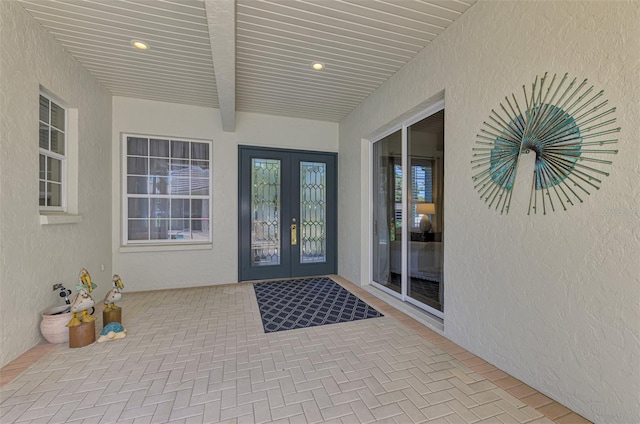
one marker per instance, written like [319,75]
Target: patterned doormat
[308,302]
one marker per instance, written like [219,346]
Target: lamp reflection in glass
[425,209]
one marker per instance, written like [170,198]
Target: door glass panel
[387,225]
[313,208]
[425,143]
[265,212]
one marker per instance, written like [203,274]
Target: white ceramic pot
[54,324]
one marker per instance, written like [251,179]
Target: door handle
[294,234]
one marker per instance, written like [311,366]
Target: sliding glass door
[425,151]
[408,213]
[387,216]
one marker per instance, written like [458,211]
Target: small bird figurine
[114,294]
[81,302]
[85,281]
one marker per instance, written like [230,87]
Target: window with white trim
[167,195]
[53,159]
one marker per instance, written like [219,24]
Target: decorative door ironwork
[313,204]
[265,210]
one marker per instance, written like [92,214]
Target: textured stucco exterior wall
[217,263]
[34,257]
[555,299]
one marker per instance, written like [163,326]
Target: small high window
[167,196]
[53,159]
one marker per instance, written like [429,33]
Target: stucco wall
[555,299]
[155,268]
[34,257]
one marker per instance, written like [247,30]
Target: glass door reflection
[425,149]
[387,212]
[407,215]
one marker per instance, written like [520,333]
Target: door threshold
[285,279]
[431,321]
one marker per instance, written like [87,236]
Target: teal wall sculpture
[566,126]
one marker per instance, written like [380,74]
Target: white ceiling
[247,55]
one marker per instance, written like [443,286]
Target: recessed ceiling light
[317,66]
[140,45]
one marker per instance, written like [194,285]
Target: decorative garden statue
[83,300]
[114,294]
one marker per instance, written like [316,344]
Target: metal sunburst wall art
[570,129]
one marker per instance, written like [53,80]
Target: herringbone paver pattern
[200,356]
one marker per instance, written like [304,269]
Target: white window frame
[126,196]
[47,153]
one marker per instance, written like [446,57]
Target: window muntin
[52,155]
[167,190]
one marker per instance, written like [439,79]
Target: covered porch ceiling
[247,55]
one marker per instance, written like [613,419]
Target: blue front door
[287,213]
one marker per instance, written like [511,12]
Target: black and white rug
[308,302]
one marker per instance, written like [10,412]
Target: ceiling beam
[221,19]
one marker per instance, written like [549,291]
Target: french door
[287,213]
